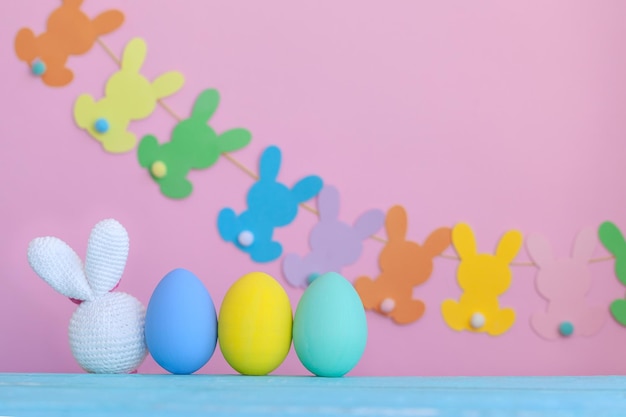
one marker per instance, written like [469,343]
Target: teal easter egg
[330,327]
[181,323]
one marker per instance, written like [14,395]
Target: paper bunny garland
[271,204]
[334,244]
[565,283]
[194,145]
[106,331]
[128,96]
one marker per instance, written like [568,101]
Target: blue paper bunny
[270,205]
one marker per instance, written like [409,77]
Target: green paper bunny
[613,240]
[193,145]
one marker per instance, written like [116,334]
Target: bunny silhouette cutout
[106,331]
[69,31]
[404,264]
[565,283]
[271,204]
[613,240]
[128,96]
[482,277]
[193,145]
[334,244]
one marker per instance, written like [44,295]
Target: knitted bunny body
[118,344]
[106,331]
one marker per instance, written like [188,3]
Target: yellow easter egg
[255,324]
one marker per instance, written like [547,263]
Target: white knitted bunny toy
[106,332]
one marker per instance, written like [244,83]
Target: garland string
[307,207]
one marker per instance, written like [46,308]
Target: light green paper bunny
[613,240]
[193,145]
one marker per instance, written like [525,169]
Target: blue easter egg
[181,323]
[330,327]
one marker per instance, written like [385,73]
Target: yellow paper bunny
[128,96]
[483,277]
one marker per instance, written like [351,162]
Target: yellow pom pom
[158,169]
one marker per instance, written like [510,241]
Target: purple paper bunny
[334,244]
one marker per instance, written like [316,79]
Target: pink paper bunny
[334,244]
[565,283]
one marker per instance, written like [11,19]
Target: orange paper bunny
[404,264]
[69,32]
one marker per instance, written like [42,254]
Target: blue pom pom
[38,68]
[566,328]
[101,125]
[312,277]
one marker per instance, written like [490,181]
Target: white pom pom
[477,320]
[387,305]
[245,238]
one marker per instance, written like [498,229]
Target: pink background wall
[500,114]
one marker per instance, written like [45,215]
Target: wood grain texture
[213,395]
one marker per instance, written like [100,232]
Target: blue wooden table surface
[212,395]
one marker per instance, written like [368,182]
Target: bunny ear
[509,245]
[234,139]
[108,21]
[396,223]
[270,164]
[167,84]
[57,264]
[134,55]
[72,3]
[307,188]
[464,241]
[438,241]
[205,105]
[585,244]
[612,238]
[107,252]
[369,223]
[539,250]
[328,203]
